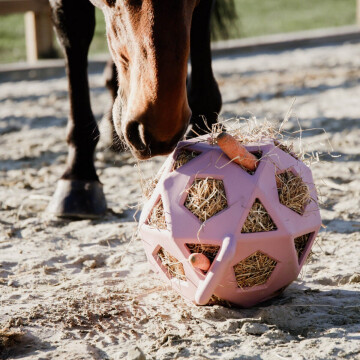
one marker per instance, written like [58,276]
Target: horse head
[149,41]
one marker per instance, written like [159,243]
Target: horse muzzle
[144,145]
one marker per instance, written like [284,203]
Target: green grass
[12,40]
[256,17]
[99,43]
[278,16]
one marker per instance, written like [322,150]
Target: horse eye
[111,3]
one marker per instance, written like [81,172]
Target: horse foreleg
[203,92]
[79,192]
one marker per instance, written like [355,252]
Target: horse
[154,99]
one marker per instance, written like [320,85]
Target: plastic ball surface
[246,267]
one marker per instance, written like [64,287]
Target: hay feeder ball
[212,229]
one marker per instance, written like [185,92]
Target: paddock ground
[83,289]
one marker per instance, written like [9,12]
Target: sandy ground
[83,289]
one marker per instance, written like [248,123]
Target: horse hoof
[77,199]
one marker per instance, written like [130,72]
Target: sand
[83,289]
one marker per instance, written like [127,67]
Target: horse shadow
[299,311]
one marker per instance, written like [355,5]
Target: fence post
[39,35]
[358,12]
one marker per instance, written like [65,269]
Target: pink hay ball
[246,268]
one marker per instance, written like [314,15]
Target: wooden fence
[38,27]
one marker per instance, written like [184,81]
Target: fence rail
[13,6]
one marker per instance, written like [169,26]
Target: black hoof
[78,199]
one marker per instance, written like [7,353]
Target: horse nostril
[135,135]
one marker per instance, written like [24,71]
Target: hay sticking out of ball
[254,270]
[293,192]
[300,244]
[157,216]
[252,131]
[183,157]
[210,251]
[172,264]
[206,197]
[287,148]
[215,300]
[148,186]
[258,219]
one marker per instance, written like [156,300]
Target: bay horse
[150,42]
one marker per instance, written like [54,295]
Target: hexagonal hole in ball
[173,266]
[258,219]
[183,157]
[293,192]
[210,251]
[301,243]
[156,218]
[206,197]
[255,270]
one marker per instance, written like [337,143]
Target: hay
[148,186]
[287,148]
[300,244]
[157,216]
[183,157]
[215,300]
[254,270]
[244,130]
[206,197]
[258,219]
[172,264]
[253,131]
[293,192]
[210,251]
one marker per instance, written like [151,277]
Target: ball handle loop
[216,272]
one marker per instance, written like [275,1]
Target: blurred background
[255,18]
